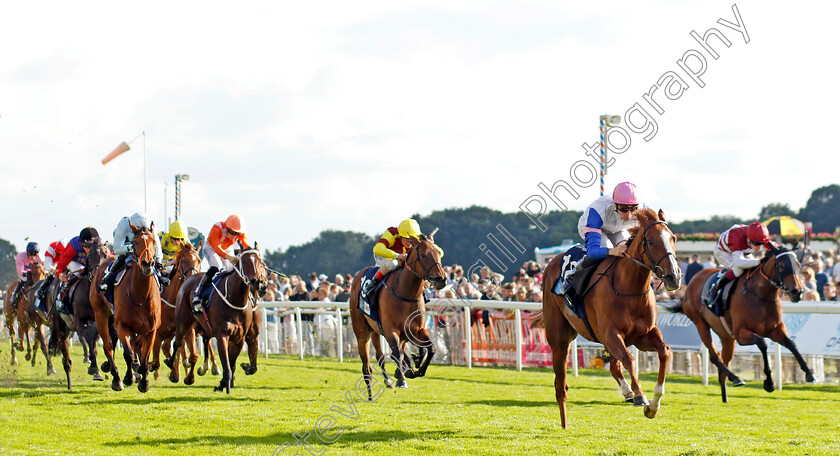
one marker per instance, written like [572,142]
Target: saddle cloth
[129,262]
[208,290]
[576,268]
[371,309]
[706,297]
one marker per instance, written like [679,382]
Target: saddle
[575,273]
[371,309]
[208,290]
[707,297]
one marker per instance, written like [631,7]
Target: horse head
[424,260]
[36,272]
[187,262]
[251,268]
[655,244]
[785,266]
[144,249]
[98,252]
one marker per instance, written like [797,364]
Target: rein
[780,285]
[238,269]
[407,266]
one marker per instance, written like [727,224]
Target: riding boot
[371,286]
[45,287]
[717,304]
[109,279]
[16,294]
[59,298]
[199,290]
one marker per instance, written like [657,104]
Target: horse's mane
[645,217]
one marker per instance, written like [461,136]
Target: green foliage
[451,411]
[715,224]
[823,209]
[332,252]
[774,210]
[7,262]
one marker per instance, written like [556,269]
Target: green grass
[452,411]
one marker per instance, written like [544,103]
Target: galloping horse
[755,313]
[136,313]
[621,308]
[27,314]
[402,311]
[230,312]
[187,263]
[34,275]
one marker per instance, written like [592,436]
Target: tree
[774,210]
[823,209]
[332,252]
[8,271]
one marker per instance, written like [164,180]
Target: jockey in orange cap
[218,250]
[735,249]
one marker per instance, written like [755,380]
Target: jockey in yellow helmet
[390,249]
[171,243]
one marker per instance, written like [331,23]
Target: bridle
[238,268]
[655,269]
[182,272]
[408,264]
[146,253]
[778,280]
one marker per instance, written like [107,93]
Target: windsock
[117,151]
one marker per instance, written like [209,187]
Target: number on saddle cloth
[371,309]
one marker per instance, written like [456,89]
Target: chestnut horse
[33,276]
[26,305]
[187,263]
[621,308]
[136,313]
[230,312]
[402,312]
[755,312]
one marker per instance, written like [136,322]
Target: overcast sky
[306,116]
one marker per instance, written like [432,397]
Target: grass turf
[451,411]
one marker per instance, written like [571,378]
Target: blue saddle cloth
[371,309]
[709,300]
[571,259]
[208,290]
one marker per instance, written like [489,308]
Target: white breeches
[737,261]
[213,258]
[385,263]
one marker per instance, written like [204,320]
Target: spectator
[808,279]
[830,292]
[283,285]
[313,282]
[693,267]
[710,263]
[521,295]
[271,293]
[811,295]
[819,275]
[507,292]
[532,269]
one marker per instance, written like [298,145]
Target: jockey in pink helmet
[605,223]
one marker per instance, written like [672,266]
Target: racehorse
[26,306]
[402,312]
[230,313]
[187,263]
[34,275]
[621,307]
[755,312]
[136,313]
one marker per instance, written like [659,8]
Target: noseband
[238,269]
[183,273]
[655,269]
[425,275]
[777,281]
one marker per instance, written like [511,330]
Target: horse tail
[52,347]
[675,306]
[537,319]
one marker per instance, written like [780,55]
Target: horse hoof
[51,370]
[389,384]
[639,401]
[86,360]
[117,385]
[402,384]
[14,362]
[410,374]
[809,378]
[216,371]
[186,363]
[189,379]
[135,367]
[738,382]
[92,370]
[248,369]
[28,356]
[173,378]
[106,366]
[97,377]
[19,347]
[628,397]
[143,386]
[768,386]
[202,371]
[128,380]
[649,413]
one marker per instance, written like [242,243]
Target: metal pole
[299,332]
[635,352]
[603,151]
[339,337]
[574,350]
[518,319]
[468,335]
[277,329]
[145,178]
[778,366]
[177,197]
[264,315]
[704,364]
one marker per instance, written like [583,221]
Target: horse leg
[615,370]
[615,345]
[747,337]
[559,335]
[172,363]
[85,348]
[128,355]
[224,384]
[107,331]
[9,324]
[35,351]
[364,354]
[215,370]
[653,339]
[206,365]
[89,334]
[23,333]
[427,351]
[252,340]
[398,357]
[39,338]
[380,358]
[193,359]
[780,337]
[145,342]
[704,330]
[234,349]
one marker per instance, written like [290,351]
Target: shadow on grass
[279,438]
[168,400]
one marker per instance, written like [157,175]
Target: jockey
[73,259]
[124,242]
[604,224]
[23,262]
[51,256]
[171,244]
[735,250]
[218,250]
[390,249]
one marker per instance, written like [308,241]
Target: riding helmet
[757,232]
[409,227]
[32,248]
[625,193]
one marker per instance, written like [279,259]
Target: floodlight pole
[145,177]
[606,122]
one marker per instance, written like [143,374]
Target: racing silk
[734,239]
[22,262]
[124,237]
[220,240]
[72,252]
[52,254]
[386,247]
[600,219]
[170,249]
